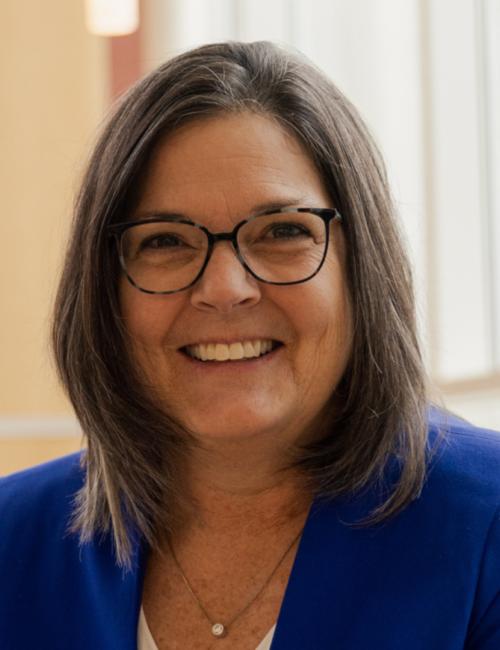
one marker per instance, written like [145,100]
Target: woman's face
[218,172]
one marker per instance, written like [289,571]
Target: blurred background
[425,74]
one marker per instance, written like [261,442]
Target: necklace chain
[218,629]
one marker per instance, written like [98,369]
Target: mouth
[238,351]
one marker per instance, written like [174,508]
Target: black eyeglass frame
[117,230]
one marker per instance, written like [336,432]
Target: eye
[161,241]
[287,230]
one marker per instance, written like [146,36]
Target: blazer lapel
[306,618]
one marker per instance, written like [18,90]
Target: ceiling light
[112,17]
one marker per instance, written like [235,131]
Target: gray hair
[378,410]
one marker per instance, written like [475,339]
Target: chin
[237,427]
[237,416]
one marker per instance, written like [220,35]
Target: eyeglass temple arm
[328,214]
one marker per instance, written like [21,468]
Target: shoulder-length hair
[379,409]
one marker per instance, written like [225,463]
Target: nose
[225,284]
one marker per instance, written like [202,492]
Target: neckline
[149,643]
[142,559]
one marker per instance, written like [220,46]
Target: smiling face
[218,172]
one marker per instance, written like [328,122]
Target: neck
[244,486]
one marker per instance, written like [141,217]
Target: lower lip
[231,366]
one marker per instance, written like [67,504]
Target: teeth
[235,351]
[249,350]
[221,352]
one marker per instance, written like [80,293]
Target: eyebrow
[159,214]
[255,210]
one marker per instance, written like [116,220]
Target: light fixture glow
[112,17]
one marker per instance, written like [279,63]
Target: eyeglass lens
[278,248]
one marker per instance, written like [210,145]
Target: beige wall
[53,78]
[18,454]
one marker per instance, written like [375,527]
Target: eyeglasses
[167,255]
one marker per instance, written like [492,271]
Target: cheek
[328,318]
[146,317]
[147,324]
[332,312]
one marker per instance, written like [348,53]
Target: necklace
[218,629]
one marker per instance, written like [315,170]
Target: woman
[235,329]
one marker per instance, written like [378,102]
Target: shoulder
[43,480]
[55,587]
[462,431]
[40,495]
[465,457]
[459,505]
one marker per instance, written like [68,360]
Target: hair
[379,410]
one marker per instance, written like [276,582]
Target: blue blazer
[427,580]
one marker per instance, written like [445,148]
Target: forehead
[230,162]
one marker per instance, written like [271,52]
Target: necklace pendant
[219,630]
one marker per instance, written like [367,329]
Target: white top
[145,639]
